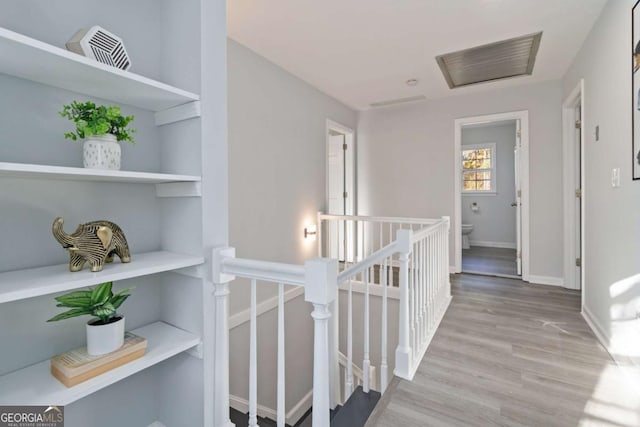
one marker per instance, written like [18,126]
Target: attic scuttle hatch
[101,45]
[494,61]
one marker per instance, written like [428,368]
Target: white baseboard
[452,269]
[267,305]
[487,244]
[630,371]
[299,409]
[291,417]
[595,326]
[546,280]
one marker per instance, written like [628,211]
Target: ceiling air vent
[501,60]
[398,101]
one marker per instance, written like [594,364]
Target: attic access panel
[494,61]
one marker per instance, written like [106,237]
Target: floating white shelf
[24,170]
[34,385]
[33,282]
[40,62]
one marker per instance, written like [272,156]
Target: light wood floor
[492,261]
[511,354]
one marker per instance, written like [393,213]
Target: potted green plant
[102,128]
[105,333]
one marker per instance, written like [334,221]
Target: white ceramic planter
[102,152]
[103,339]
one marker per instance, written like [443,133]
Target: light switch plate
[615,177]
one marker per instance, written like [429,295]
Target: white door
[336,194]
[578,199]
[518,198]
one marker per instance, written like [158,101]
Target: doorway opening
[341,187]
[491,233]
[574,191]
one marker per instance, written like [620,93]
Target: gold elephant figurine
[94,242]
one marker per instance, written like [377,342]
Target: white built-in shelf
[33,282]
[24,170]
[34,385]
[40,62]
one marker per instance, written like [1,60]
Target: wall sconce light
[310,231]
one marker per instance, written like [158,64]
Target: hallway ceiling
[363,51]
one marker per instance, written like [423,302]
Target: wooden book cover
[76,366]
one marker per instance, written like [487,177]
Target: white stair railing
[319,279]
[418,251]
[409,254]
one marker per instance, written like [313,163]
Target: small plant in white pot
[102,129]
[105,333]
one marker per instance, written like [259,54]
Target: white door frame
[523,116]
[351,187]
[575,98]
[334,322]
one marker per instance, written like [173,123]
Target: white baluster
[321,287]
[383,340]
[253,360]
[433,277]
[366,364]
[281,408]
[348,386]
[391,238]
[446,255]
[421,292]
[403,351]
[412,298]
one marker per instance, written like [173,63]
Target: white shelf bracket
[197,351]
[179,189]
[182,112]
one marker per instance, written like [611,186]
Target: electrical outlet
[615,177]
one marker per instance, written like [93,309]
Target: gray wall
[611,217]
[406,161]
[277,186]
[495,221]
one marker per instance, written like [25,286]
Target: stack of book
[76,366]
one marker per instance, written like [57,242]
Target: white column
[221,353]
[403,351]
[321,287]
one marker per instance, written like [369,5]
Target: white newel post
[221,358]
[321,288]
[403,351]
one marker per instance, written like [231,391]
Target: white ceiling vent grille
[501,60]
[101,45]
[398,101]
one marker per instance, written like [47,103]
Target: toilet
[466,230]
